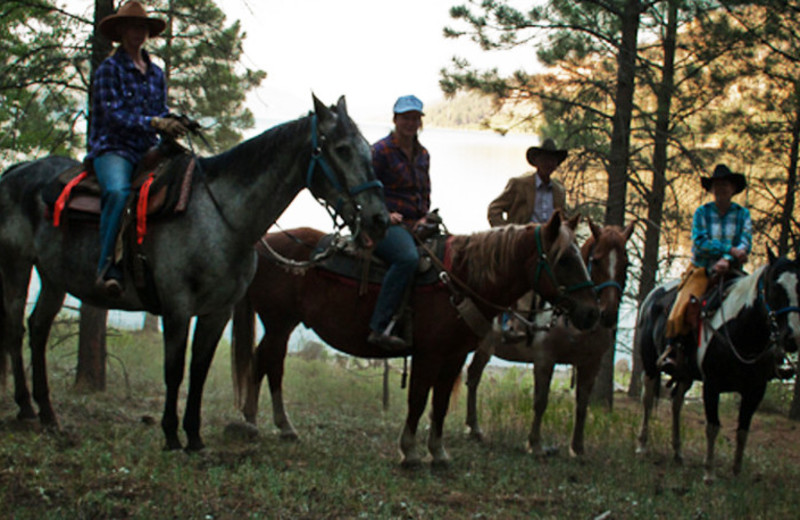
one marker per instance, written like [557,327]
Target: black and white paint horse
[738,349]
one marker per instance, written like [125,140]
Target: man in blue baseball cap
[401,163]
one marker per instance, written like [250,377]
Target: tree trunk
[618,162]
[92,349]
[655,202]
[786,222]
[92,338]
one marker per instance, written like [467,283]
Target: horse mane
[248,156]
[487,254]
[743,292]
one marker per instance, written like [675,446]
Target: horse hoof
[411,464]
[440,464]
[239,431]
[194,446]
[476,435]
[27,415]
[289,436]
[173,445]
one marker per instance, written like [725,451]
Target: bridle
[543,265]
[598,288]
[319,163]
[772,315]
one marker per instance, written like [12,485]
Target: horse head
[340,174]
[781,294]
[607,261]
[558,274]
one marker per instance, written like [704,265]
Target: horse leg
[583,390]
[442,391]
[207,332]
[751,398]
[542,376]
[711,405]
[270,360]
[15,280]
[176,331]
[648,398]
[681,387]
[480,359]
[418,390]
[48,304]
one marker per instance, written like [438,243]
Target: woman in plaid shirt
[722,234]
[129,108]
[401,163]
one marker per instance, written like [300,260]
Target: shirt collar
[540,183]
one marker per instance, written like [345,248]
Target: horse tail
[244,332]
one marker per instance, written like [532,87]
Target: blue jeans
[114,175]
[397,248]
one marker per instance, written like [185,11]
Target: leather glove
[169,126]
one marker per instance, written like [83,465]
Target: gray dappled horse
[201,261]
[606,258]
[740,344]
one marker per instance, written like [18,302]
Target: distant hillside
[474,112]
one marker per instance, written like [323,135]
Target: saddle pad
[349,263]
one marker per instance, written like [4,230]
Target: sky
[371,51]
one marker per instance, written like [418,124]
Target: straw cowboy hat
[111,25]
[548,148]
[722,172]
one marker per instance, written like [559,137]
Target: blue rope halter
[318,160]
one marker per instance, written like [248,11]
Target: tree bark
[655,203]
[618,162]
[91,374]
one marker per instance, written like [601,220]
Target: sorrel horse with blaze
[560,342]
[498,266]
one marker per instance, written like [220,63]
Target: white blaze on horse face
[789,282]
[612,264]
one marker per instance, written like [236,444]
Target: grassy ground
[108,462]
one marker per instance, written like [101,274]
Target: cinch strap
[141,208]
[61,202]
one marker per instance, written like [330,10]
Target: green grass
[108,461]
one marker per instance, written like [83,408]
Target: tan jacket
[515,205]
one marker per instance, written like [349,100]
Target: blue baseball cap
[408,104]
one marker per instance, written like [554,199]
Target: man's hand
[739,254]
[169,126]
[722,266]
[395,218]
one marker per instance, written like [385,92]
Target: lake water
[468,170]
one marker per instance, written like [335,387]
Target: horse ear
[341,106]
[552,228]
[574,221]
[596,231]
[771,256]
[628,231]
[323,112]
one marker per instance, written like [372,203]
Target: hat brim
[738,180]
[110,27]
[535,151]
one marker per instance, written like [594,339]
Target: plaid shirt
[713,235]
[406,182]
[123,102]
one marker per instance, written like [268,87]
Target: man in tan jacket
[533,196]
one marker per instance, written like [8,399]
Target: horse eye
[344,152]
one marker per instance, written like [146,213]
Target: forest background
[648,95]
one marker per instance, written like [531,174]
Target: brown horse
[496,266]
[605,255]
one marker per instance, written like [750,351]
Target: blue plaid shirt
[123,102]
[406,182]
[713,235]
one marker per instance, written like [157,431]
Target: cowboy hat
[110,26]
[548,148]
[722,172]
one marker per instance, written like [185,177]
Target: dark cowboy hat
[130,11]
[722,172]
[548,148]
